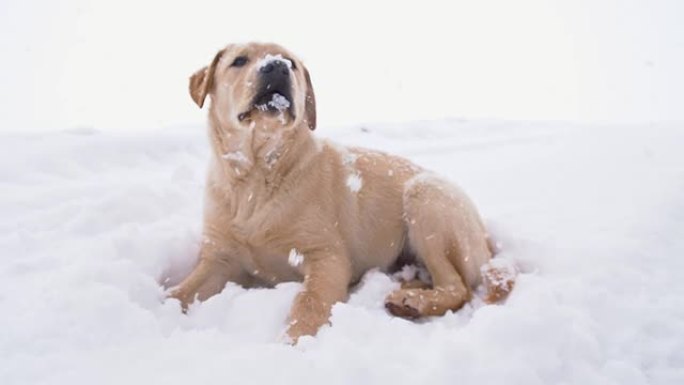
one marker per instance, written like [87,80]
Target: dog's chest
[265,237]
[254,222]
[266,255]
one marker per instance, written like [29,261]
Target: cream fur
[273,187]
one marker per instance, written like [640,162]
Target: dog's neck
[263,152]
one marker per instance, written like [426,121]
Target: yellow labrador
[282,205]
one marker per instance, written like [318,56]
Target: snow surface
[94,225]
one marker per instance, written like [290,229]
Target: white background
[124,64]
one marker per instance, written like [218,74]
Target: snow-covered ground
[94,224]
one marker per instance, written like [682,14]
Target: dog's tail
[498,275]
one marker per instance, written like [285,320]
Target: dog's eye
[239,61]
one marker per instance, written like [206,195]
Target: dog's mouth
[273,102]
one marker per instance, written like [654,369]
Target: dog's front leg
[326,281]
[209,277]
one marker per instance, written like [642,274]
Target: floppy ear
[310,102]
[202,81]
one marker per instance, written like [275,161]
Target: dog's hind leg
[447,235]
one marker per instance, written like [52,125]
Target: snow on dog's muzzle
[275,85]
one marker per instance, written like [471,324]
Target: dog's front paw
[308,314]
[182,297]
[298,329]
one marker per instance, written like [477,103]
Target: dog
[283,205]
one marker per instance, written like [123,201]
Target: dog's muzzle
[274,93]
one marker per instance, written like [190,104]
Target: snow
[269,58]
[279,102]
[295,258]
[354,182]
[409,273]
[348,158]
[93,222]
[237,156]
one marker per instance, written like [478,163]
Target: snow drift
[95,225]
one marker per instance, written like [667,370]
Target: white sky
[125,64]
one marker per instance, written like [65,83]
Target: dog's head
[253,82]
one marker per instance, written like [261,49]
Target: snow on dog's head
[255,82]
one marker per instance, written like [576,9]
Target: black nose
[275,68]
